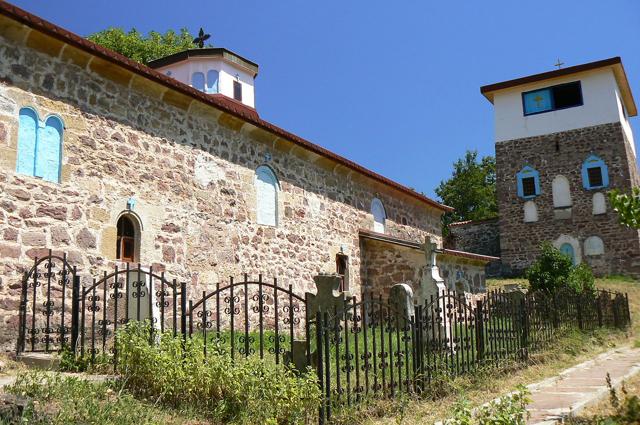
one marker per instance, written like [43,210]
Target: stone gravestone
[145,285]
[401,302]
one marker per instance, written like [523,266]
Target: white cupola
[212,70]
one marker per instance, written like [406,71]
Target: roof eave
[36,23]
[615,63]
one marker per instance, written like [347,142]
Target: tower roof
[221,52]
[614,63]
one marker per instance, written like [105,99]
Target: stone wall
[478,237]
[462,274]
[191,173]
[563,154]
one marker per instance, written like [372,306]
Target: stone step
[45,361]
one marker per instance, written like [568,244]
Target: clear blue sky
[393,86]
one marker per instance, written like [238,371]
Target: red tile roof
[249,116]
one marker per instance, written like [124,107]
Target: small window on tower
[595,173]
[567,95]
[528,181]
[528,186]
[237,91]
[595,176]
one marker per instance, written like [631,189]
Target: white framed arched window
[266,196]
[212,81]
[379,215]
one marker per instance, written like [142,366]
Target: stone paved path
[581,385]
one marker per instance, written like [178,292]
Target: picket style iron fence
[360,349]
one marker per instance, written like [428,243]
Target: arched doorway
[567,249]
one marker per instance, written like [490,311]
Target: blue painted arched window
[567,249]
[197,81]
[595,174]
[27,135]
[39,146]
[266,196]
[528,183]
[212,81]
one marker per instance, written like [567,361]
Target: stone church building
[171,166]
[563,140]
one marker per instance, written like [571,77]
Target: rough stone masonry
[190,169]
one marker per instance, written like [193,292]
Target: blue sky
[393,86]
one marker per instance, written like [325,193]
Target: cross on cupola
[201,38]
[558,63]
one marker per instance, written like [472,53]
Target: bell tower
[563,140]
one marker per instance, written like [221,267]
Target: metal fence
[360,349]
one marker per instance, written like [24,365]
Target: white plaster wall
[182,71]
[599,89]
[624,119]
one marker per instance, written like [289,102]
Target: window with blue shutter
[595,173]
[266,196]
[27,135]
[39,146]
[197,81]
[379,215]
[528,183]
[552,98]
[49,149]
[212,81]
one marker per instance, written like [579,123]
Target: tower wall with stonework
[564,153]
[191,170]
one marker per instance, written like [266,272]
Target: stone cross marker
[328,297]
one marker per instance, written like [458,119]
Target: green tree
[471,189]
[553,270]
[627,206]
[141,48]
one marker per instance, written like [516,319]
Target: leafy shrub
[507,410]
[554,270]
[178,374]
[55,399]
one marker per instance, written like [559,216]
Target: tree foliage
[554,270]
[627,205]
[141,48]
[471,189]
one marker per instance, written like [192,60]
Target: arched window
[530,212]
[593,245]
[197,81]
[342,269]
[266,196]
[39,146]
[567,249]
[561,192]
[595,174]
[528,183]
[379,215]
[599,204]
[212,81]
[126,240]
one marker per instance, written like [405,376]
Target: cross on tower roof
[201,38]
[559,64]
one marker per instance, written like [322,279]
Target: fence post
[183,311]
[75,313]
[22,332]
[579,313]
[524,337]
[319,365]
[479,313]
[599,309]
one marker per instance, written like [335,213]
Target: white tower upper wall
[601,105]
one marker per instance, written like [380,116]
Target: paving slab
[580,386]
